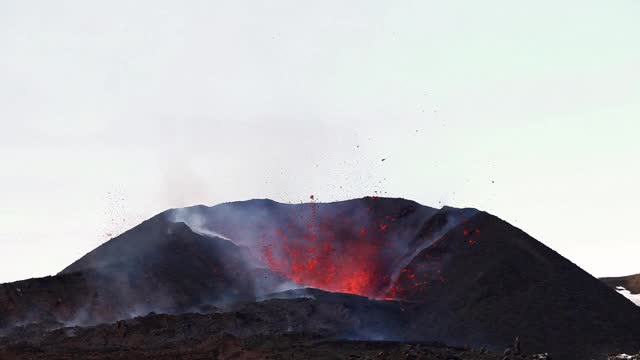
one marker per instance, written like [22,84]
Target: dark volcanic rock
[290,346]
[464,277]
[319,326]
[486,281]
[157,266]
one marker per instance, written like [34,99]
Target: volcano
[456,276]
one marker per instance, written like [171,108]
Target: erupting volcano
[459,276]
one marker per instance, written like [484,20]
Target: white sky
[113,111]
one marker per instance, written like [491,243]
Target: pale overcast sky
[112,111]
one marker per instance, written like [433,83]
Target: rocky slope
[301,324]
[166,267]
[492,281]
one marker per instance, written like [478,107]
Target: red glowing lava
[322,262]
[335,253]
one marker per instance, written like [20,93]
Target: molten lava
[333,253]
